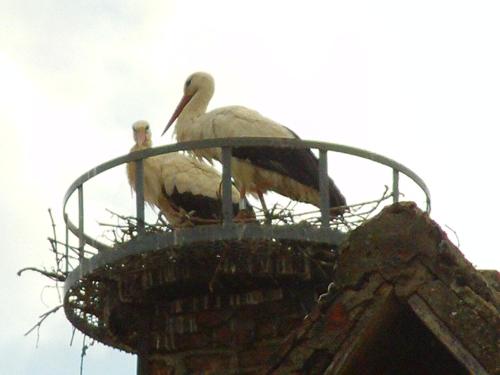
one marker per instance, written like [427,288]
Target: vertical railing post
[81,228]
[139,194]
[66,244]
[395,186]
[323,188]
[227,196]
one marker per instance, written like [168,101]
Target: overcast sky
[418,82]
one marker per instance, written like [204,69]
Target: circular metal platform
[163,281]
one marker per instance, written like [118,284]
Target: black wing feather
[298,164]
[202,206]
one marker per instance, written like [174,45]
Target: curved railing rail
[227,144]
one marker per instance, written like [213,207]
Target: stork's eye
[147,127]
[188,82]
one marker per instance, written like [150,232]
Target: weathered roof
[403,298]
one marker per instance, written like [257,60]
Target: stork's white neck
[198,104]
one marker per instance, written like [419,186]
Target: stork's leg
[245,212]
[264,207]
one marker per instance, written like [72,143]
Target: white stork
[290,172]
[178,184]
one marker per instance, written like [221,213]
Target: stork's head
[198,81]
[142,134]
[198,84]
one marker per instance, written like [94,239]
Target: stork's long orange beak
[185,100]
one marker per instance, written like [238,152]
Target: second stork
[184,189]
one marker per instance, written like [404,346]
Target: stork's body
[290,172]
[178,184]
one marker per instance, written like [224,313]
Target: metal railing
[226,144]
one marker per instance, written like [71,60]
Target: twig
[354,207]
[55,242]
[72,336]
[51,275]
[58,292]
[42,319]
[53,225]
